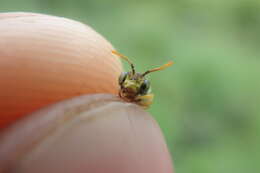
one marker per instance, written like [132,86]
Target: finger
[45,59]
[94,133]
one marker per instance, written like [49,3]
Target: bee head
[133,84]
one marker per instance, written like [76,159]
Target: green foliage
[207,104]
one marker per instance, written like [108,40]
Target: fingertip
[46,59]
[97,133]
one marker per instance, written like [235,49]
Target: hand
[93,133]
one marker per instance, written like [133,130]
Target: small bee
[134,87]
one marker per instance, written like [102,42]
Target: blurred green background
[207,104]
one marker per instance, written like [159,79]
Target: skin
[45,59]
[94,133]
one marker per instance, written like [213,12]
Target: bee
[134,87]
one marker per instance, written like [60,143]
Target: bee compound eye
[144,87]
[122,77]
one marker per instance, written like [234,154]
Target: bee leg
[145,100]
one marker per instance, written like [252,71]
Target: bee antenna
[125,58]
[158,68]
